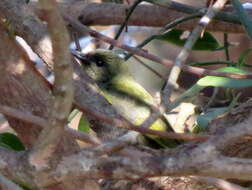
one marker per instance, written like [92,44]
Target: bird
[118,86]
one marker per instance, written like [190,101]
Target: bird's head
[103,65]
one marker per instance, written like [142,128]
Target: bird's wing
[126,84]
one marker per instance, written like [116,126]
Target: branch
[201,160]
[51,135]
[38,121]
[143,165]
[129,12]
[24,23]
[149,15]
[11,162]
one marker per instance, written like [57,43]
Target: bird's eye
[100,63]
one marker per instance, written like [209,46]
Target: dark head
[102,65]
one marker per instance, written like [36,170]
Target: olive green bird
[118,86]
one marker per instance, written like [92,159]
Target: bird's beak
[79,55]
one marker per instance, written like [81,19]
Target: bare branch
[146,15]
[129,12]
[11,162]
[23,22]
[62,89]
[32,119]
[182,162]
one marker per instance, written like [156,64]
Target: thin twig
[38,121]
[226,46]
[76,41]
[116,145]
[82,136]
[129,13]
[212,98]
[149,68]
[165,28]
[143,129]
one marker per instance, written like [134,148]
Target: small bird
[118,86]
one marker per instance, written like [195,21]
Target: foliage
[8,140]
[178,37]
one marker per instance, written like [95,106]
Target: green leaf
[11,141]
[175,36]
[225,82]
[84,125]
[204,119]
[213,81]
[243,16]
[243,56]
